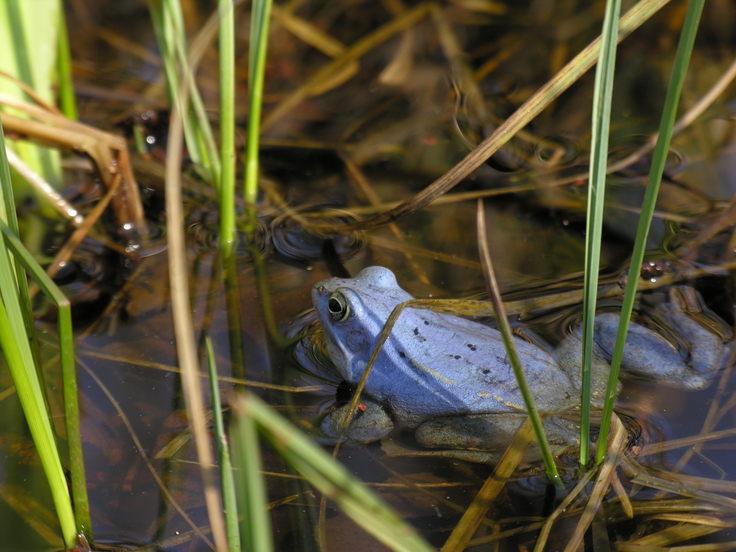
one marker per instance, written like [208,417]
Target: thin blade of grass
[180,304]
[602,484]
[67,98]
[15,345]
[603,92]
[255,526]
[363,506]
[222,451]
[69,378]
[28,51]
[168,60]
[669,112]
[168,26]
[227,127]
[503,326]
[259,20]
[203,139]
[561,509]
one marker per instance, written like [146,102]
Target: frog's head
[353,312]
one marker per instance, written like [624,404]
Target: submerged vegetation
[364,104]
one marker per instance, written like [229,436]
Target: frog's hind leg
[708,338]
[648,354]
[493,433]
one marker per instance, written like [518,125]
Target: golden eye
[338,307]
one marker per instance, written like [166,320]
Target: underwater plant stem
[234,312]
[669,112]
[222,451]
[259,20]
[602,95]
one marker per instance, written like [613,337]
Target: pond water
[352,148]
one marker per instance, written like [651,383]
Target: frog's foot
[690,365]
[493,433]
[370,423]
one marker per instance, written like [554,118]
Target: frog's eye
[338,307]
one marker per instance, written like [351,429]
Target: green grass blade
[504,328]
[69,378]
[222,451]
[28,45]
[169,29]
[602,95]
[12,222]
[363,506]
[168,59]
[14,341]
[227,127]
[255,528]
[67,98]
[204,141]
[669,112]
[259,20]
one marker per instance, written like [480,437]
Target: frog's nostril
[321,290]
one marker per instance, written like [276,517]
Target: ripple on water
[297,237]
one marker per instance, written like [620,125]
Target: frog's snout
[318,292]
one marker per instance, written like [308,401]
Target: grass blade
[14,341]
[505,329]
[222,451]
[259,19]
[182,315]
[69,378]
[227,127]
[255,526]
[28,44]
[331,478]
[168,25]
[669,112]
[602,95]
[67,98]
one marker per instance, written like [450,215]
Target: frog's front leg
[692,365]
[493,433]
[370,423]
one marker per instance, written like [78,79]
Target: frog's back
[443,365]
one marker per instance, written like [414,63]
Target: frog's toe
[693,382]
[370,423]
